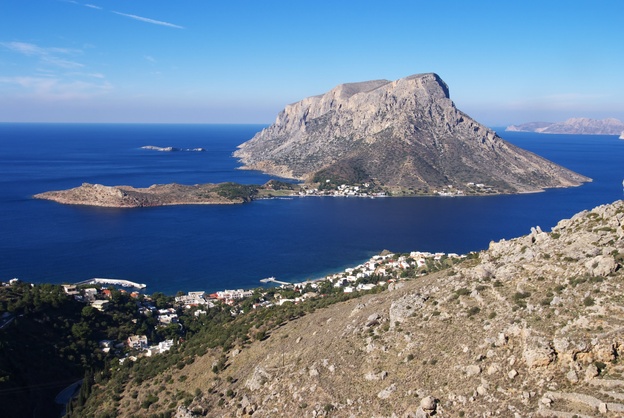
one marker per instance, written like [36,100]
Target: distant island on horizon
[573,126]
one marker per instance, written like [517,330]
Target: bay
[205,247]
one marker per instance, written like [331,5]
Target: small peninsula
[572,126]
[161,194]
[405,136]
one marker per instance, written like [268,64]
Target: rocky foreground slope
[531,327]
[405,134]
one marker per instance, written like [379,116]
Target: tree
[88,313]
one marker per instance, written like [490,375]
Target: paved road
[67,394]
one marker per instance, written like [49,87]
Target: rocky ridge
[531,327]
[404,134]
[576,126]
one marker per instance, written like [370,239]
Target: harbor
[274,280]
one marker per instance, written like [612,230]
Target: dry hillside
[532,327]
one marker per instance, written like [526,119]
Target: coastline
[173,194]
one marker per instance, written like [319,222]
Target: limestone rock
[572,376]
[538,355]
[601,265]
[259,377]
[428,403]
[493,369]
[591,371]
[376,376]
[405,133]
[387,392]
[473,370]
[403,308]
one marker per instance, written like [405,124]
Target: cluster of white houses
[377,271]
[387,266]
[201,299]
[343,190]
[139,343]
[93,296]
[478,188]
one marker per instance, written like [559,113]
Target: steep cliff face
[405,133]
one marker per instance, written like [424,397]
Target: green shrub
[462,292]
[473,311]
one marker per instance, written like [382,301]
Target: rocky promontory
[155,195]
[574,126]
[404,135]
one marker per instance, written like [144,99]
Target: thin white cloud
[99,76]
[563,101]
[149,58]
[93,6]
[61,62]
[56,75]
[148,20]
[46,55]
[22,48]
[47,88]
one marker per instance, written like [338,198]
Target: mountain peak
[405,134]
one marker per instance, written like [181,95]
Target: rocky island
[574,126]
[163,194]
[405,136]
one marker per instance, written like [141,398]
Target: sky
[242,61]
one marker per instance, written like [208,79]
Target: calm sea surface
[207,247]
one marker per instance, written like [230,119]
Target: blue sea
[207,247]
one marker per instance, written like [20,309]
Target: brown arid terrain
[531,327]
